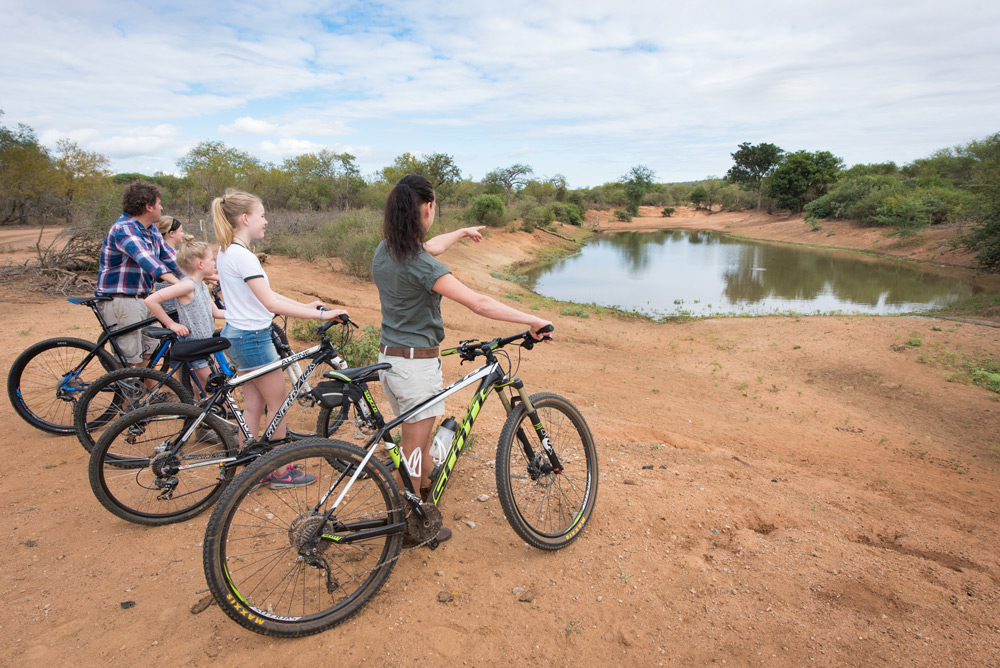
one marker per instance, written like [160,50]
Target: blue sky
[582,88]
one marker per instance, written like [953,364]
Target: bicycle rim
[136,466]
[547,509]
[261,562]
[39,388]
[119,392]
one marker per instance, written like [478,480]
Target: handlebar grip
[546,329]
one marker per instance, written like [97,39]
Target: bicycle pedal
[433,545]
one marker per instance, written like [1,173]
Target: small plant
[914,342]
[622,575]
[575,310]
[623,215]
[574,627]
[814,223]
[29,543]
[668,211]
[512,297]
[25,332]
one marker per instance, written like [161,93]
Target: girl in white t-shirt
[250,305]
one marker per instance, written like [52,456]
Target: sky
[582,88]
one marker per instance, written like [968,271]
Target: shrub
[567,213]
[538,216]
[487,210]
[668,211]
[623,215]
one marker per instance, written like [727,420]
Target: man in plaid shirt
[133,257]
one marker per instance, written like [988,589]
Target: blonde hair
[226,211]
[190,252]
[165,223]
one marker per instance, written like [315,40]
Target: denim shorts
[250,349]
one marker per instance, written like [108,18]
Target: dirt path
[773,491]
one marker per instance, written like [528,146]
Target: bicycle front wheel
[547,500]
[285,562]
[119,392]
[44,383]
[146,468]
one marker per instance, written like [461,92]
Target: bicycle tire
[547,509]
[128,466]
[330,420]
[256,549]
[113,395]
[35,382]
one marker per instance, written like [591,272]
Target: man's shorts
[124,311]
[410,382]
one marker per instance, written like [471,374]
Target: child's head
[191,252]
[167,224]
[226,212]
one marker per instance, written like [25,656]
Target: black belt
[410,353]
[122,294]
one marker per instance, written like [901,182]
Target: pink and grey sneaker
[290,478]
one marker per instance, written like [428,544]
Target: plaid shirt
[132,258]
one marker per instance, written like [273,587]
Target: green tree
[79,174]
[213,167]
[487,210]
[984,182]
[509,179]
[698,195]
[753,165]
[26,172]
[638,181]
[803,176]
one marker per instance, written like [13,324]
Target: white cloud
[586,85]
[247,125]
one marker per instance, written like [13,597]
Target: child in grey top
[195,308]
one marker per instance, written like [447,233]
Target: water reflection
[707,273]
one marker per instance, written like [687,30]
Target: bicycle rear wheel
[274,561]
[40,385]
[119,392]
[548,508]
[143,470]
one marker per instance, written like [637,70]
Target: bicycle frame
[322,353]
[491,377]
[107,336]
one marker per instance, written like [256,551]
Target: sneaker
[290,478]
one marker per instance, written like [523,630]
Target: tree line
[953,185]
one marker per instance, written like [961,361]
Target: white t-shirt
[236,265]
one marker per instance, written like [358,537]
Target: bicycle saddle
[88,299]
[196,349]
[361,374]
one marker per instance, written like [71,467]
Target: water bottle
[442,440]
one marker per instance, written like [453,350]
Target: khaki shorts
[124,311]
[409,382]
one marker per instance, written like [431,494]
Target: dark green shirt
[411,310]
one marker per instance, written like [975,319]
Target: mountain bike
[294,562]
[46,379]
[166,463]
[124,390]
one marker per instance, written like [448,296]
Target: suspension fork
[536,423]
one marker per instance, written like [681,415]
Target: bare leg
[418,435]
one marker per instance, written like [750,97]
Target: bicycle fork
[536,466]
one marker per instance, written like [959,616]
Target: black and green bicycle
[296,561]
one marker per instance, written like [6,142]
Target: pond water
[707,273]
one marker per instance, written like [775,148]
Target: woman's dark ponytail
[402,226]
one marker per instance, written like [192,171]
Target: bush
[487,210]
[903,212]
[538,216]
[567,213]
[623,215]
[668,211]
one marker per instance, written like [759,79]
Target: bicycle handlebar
[471,349]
